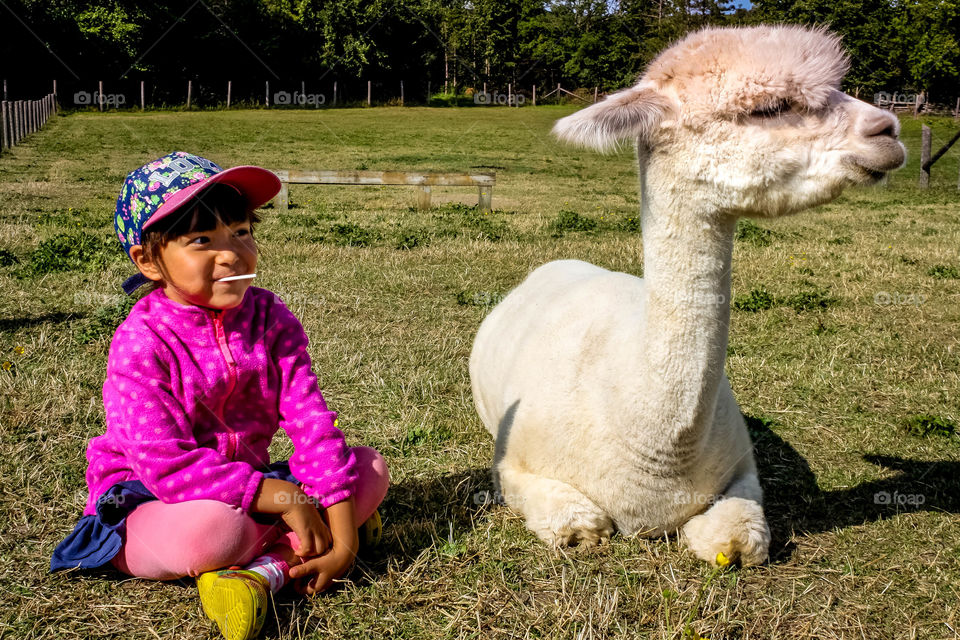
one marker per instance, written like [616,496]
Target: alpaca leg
[734,525]
[559,514]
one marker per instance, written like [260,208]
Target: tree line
[432,45]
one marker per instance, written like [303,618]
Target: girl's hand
[288,501]
[313,533]
[316,574]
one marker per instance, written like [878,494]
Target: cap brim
[256,184]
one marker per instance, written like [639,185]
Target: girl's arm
[321,460]
[317,574]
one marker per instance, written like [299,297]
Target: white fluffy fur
[606,393]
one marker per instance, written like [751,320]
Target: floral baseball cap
[158,189]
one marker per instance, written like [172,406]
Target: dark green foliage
[80,252]
[808,300]
[351,235]
[413,238]
[456,219]
[571,221]
[749,231]
[757,300]
[924,425]
[893,46]
[943,271]
[479,298]
[7,258]
[760,299]
[104,321]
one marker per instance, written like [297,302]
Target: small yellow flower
[336,421]
[7,365]
[18,350]
[722,560]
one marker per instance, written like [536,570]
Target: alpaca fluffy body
[606,393]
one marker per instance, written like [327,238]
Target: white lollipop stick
[240,277]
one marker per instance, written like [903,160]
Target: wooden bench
[483,181]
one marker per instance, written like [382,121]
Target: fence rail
[20,118]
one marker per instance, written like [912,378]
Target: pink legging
[169,541]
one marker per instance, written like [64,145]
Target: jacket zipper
[231,379]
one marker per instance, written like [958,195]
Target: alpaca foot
[560,515]
[734,527]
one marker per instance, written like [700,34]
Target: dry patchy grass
[391,299]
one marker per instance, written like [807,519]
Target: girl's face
[194,262]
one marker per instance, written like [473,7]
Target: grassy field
[844,353]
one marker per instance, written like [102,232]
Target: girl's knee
[373,480]
[189,538]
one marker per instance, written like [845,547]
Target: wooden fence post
[4,140]
[595,93]
[534,95]
[334,93]
[509,94]
[401,93]
[926,139]
[16,123]
[143,95]
[486,199]
[229,91]
[189,92]
[423,198]
[267,93]
[368,93]
[100,95]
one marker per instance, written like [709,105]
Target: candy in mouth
[240,277]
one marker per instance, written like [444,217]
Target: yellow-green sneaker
[371,531]
[236,600]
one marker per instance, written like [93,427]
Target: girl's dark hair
[218,203]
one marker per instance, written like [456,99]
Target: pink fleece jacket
[193,397]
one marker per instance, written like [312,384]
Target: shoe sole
[226,601]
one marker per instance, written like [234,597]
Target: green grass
[848,371]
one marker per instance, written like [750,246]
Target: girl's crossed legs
[169,541]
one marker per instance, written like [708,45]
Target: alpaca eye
[775,109]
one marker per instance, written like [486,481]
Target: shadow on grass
[794,503]
[10,325]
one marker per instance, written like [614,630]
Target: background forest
[895,45]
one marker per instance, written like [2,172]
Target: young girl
[200,376]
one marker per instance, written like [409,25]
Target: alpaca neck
[687,253]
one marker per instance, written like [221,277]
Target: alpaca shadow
[423,513]
[794,502]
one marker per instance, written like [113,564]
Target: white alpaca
[606,393]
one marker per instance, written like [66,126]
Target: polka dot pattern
[170,387]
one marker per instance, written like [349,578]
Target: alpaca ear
[628,114]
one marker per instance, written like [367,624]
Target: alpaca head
[748,120]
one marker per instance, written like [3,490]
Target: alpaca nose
[878,122]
